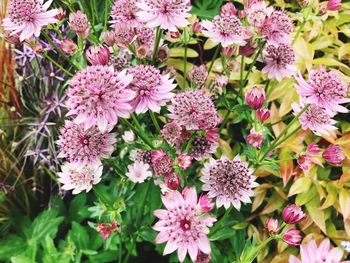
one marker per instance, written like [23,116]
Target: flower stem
[214,57]
[299,31]
[156,44]
[261,47]
[185,66]
[143,137]
[57,65]
[155,122]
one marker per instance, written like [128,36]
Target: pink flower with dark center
[315,118]
[198,74]
[334,155]
[255,97]
[277,27]
[138,172]
[98,55]
[68,46]
[194,110]
[184,160]
[79,178]
[311,253]
[98,95]
[84,146]
[255,139]
[304,162]
[206,203]
[292,237]
[167,14]
[79,23]
[144,156]
[152,89]
[325,89]
[231,182]
[182,226]
[162,164]
[145,36]
[171,132]
[258,12]
[202,148]
[271,225]
[27,17]
[124,11]
[292,214]
[227,30]
[279,61]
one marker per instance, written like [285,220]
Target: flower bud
[37,48]
[109,38]
[228,51]
[175,34]
[334,5]
[255,98]
[262,114]
[304,162]
[247,50]
[292,237]
[292,214]
[212,135]
[202,257]
[220,82]
[172,181]
[255,139]
[161,163]
[128,137]
[184,160]
[98,55]
[198,74]
[196,27]
[68,46]
[60,14]
[271,225]
[142,52]
[313,149]
[163,53]
[334,155]
[79,23]
[206,203]
[228,9]
[241,13]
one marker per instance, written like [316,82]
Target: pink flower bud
[334,5]
[98,55]
[196,27]
[61,14]
[79,23]
[109,38]
[142,52]
[105,230]
[313,149]
[212,135]
[292,237]
[323,9]
[161,163]
[228,51]
[292,214]
[247,50]
[241,13]
[255,139]
[271,225]
[37,48]
[68,46]
[334,155]
[175,34]
[184,160]
[304,162]
[255,98]
[203,258]
[220,82]
[163,53]
[228,9]
[172,181]
[206,203]
[263,114]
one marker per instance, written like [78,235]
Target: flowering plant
[198,133]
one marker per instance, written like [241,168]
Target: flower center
[185,224]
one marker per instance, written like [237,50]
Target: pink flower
[172,181]
[255,97]
[171,132]
[258,12]
[145,36]
[184,160]
[248,49]
[315,118]
[255,139]
[206,203]
[197,27]
[138,172]
[167,14]
[61,13]
[271,225]
[334,5]
[324,89]
[203,258]
[84,146]
[310,253]
[334,155]
[27,17]
[124,12]
[304,162]
[202,148]
[128,137]
[228,51]
[124,35]
[98,55]
[228,9]
[279,61]
[161,162]
[79,177]
[109,38]
[313,149]
[220,82]
[194,110]
[152,89]
[292,237]
[182,226]
[79,23]
[98,95]
[106,230]
[212,135]
[198,74]
[68,46]
[292,214]
[231,182]
[262,114]
[277,27]
[227,30]
[144,156]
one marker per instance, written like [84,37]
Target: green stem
[133,241]
[154,120]
[214,58]
[139,219]
[261,47]
[106,15]
[299,31]
[143,137]
[156,44]
[134,118]
[241,85]
[120,249]
[225,119]
[57,65]
[185,66]
[189,144]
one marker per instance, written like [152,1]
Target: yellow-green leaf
[316,214]
[209,44]
[180,52]
[344,50]
[301,185]
[344,202]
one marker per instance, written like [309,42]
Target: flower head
[325,89]
[124,11]
[198,74]
[184,160]
[172,181]
[84,146]
[182,226]
[279,61]
[334,5]
[255,97]
[98,55]
[152,89]
[263,114]
[277,27]
[129,136]
[161,162]
[79,177]
[68,46]
[27,17]
[271,225]
[231,182]
[311,253]
[194,110]
[171,132]
[227,30]
[138,172]
[167,14]
[334,155]
[228,9]
[292,237]
[79,23]
[304,161]
[206,203]
[255,139]
[98,95]
[106,230]
[292,214]
[258,12]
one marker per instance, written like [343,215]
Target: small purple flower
[292,214]
[292,237]
[255,98]
[334,155]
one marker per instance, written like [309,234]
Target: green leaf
[299,186]
[180,52]
[206,8]
[11,246]
[79,235]
[21,259]
[316,214]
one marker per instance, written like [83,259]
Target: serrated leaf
[10,246]
[301,185]
[180,52]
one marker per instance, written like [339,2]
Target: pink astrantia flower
[79,178]
[304,161]
[27,17]
[324,89]
[171,132]
[227,30]
[334,155]
[84,146]
[152,89]
[68,46]
[184,160]
[162,164]
[272,226]
[258,12]
[198,74]
[293,214]
[292,237]
[98,55]
[206,203]
[277,27]
[279,61]
[167,14]
[138,172]
[255,97]
[182,226]
[172,181]
[194,110]
[315,118]
[98,95]
[310,253]
[334,5]
[255,139]
[230,181]
[79,23]
[124,11]
[202,148]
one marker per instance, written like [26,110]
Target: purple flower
[198,74]
[25,55]
[255,98]
[42,126]
[292,237]
[334,155]
[124,11]
[292,214]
